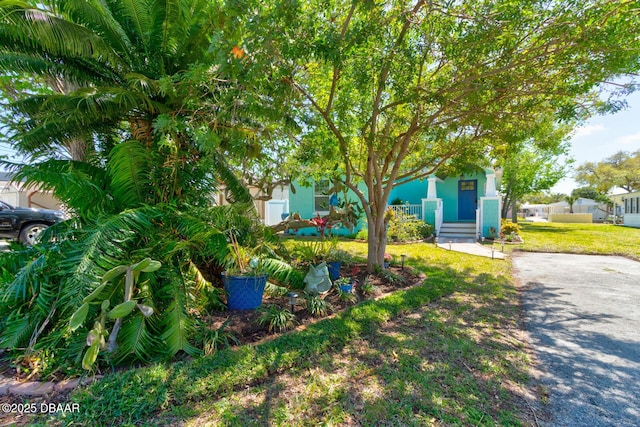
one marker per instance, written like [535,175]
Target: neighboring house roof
[5,176]
[619,198]
[580,201]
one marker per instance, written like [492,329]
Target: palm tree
[151,94]
[571,200]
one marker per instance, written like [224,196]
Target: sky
[602,136]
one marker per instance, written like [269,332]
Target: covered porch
[464,207]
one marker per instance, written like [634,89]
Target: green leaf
[91,355]
[95,293]
[114,272]
[153,266]
[122,310]
[147,265]
[79,317]
[140,266]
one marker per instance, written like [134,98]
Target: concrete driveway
[583,316]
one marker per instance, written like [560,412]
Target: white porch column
[431,188]
[491,185]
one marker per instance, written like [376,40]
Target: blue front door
[467,199]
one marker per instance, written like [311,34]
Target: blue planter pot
[386,264]
[346,288]
[244,292]
[334,269]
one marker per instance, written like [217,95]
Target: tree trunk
[514,211]
[377,227]
[377,245]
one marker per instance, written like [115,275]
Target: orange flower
[237,52]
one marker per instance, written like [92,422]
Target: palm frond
[99,247]
[135,17]
[71,182]
[176,325]
[18,329]
[42,30]
[178,328]
[97,15]
[136,341]
[26,284]
[128,166]
[283,273]
[238,192]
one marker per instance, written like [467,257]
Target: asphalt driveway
[583,316]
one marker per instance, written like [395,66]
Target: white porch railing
[415,210]
[439,218]
[479,221]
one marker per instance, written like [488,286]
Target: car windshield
[4,205]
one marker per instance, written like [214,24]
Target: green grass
[604,239]
[441,352]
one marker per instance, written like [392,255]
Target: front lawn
[447,351]
[603,239]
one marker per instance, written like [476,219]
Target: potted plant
[387,260]
[344,284]
[335,259]
[244,278]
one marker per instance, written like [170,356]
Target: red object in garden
[320,224]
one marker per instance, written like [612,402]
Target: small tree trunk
[377,243]
[377,227]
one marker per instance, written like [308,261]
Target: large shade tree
[390,91]
[621,170]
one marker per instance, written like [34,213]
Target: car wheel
[30,233]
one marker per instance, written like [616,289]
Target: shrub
[405,228]
[509,227]
[317,306]
[279,319]
[212,340]
[363,234]
[368,288]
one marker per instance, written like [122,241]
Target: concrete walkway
[468,246]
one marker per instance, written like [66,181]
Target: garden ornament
[317,280]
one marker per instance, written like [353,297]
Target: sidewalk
[468,246]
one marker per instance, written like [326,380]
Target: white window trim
[320,212]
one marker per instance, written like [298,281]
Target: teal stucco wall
[302,202]
[429,211]
[448,192]
[412,192]
[490,215]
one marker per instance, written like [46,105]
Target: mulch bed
[244,326]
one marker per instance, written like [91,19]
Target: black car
[25,224]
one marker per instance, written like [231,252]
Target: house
[628,206]
[529,210]
[465,206]
[582,208]
[313,199]
[19,195]
[270,207]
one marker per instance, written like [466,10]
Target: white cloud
[588,130]
[629,139]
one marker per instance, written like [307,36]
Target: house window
[468,185]
[321,196]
